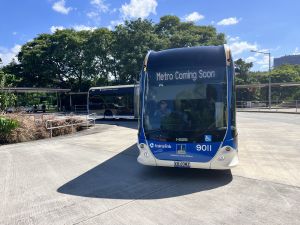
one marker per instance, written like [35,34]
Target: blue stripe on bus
[192,152]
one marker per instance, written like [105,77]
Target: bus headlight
[145,157]
[227,148]
[221,158]
[227,157]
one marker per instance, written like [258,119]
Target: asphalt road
[93,178]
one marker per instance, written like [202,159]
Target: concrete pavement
[93,178]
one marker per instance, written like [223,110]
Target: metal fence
[276,106]
[88,120]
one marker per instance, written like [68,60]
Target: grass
[22,127]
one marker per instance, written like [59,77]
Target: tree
[186,34]
[282,74]
[79,59]
[242,69]
[67,59]
[99,48]
[132,41]
[6,99]
[285,73]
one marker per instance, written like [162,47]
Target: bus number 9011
[204,148]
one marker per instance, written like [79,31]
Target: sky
[248,25]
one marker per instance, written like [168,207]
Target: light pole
[269,54]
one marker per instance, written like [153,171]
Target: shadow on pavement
[122,177]
[120,122]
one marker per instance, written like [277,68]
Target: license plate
[182,164]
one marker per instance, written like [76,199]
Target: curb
[269,112]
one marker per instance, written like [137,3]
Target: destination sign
[190,75]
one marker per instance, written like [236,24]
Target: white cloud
[100,5]
[92,14]
[55,28]
[228,21]
[242,49]
[232,39]
[239,47]
[251,59]
[76,27]
[7,55]
[193,17]
[114,10]
[138,9]
[60,6]
[264,67]
[264,60]
[83,27]
[14,33]
[276,49]
[296,51]
[261,59]
[114,23]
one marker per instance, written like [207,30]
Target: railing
[88,119]
[276,106]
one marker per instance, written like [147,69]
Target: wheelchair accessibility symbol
[207,138]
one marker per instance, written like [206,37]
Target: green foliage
[284,73]
[79,59]
[242,69]
[132,42]
[6,99]
[178,34]
[7,125]
[62,59]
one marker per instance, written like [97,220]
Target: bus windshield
[185,104]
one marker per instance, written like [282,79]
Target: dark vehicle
[113,102]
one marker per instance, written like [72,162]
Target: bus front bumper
[226,158]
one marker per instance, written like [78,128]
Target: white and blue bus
[113,102]
[187,109]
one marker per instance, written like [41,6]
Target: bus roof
[210,56]
[112,87]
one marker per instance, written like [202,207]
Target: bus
[113,102]
[187,109]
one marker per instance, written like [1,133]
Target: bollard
[51,129]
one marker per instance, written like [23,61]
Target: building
[288,59]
